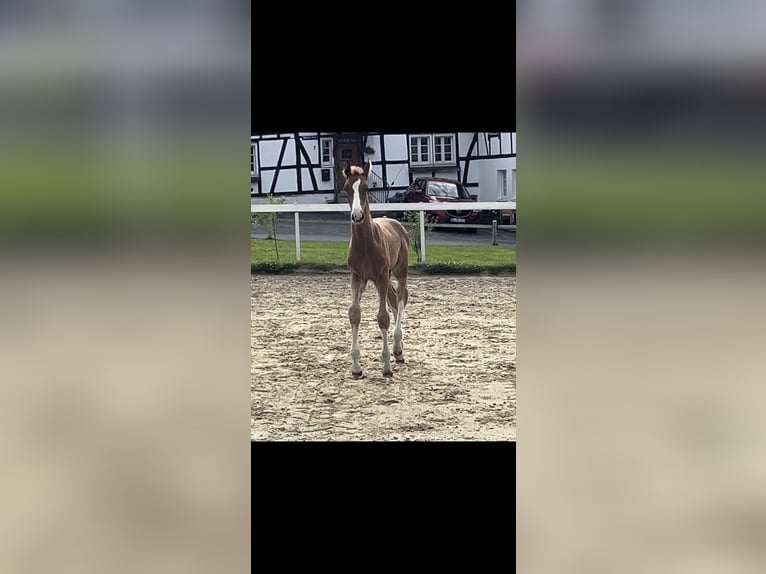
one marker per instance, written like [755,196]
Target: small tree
[411,223]
[268,219]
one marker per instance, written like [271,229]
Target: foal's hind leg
[384,320]
[400,301]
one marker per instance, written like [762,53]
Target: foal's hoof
[357,375]
[399,358]
[388,373]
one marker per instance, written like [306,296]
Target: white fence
[344,207]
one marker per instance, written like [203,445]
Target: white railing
[344,207]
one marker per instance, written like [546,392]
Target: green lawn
[330,254]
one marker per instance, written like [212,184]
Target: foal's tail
[393,295]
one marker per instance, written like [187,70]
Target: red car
[439,190]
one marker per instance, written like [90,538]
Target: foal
[379,249]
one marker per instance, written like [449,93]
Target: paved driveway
[336,227]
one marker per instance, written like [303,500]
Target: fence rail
[344,207]
[299,208]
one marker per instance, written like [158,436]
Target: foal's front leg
[355,316]
[384,321]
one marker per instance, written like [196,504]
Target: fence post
[494,232]
[297,238]
[422,237]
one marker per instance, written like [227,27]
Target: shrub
[269,220]
[411,222]
[272,267]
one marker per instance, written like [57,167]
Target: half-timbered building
[305,165]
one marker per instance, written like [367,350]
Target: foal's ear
[367,168]
[343,174]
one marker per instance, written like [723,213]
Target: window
[446,189]
[253,159]
[326,158]
[430,150]
[443,149]
[419,150]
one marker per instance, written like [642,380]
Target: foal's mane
[353,170]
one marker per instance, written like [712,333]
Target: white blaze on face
[356,205]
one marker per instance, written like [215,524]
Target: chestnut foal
[378,251]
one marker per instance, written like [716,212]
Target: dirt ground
[458,381]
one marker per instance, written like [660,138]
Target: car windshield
[446,189]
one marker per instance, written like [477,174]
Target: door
[348,147]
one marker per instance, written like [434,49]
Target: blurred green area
[67,187]
[640,194]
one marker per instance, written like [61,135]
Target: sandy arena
[458,381]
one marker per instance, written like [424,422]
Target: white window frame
[430,139]
[513,184]
[253,159]
[331,148]
[451,138]
[502,193]
[416,160]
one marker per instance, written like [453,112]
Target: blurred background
[125,331]
[118,116]
[123,241]
[647,118]
[640,286]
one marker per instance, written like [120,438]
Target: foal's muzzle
[357,217]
